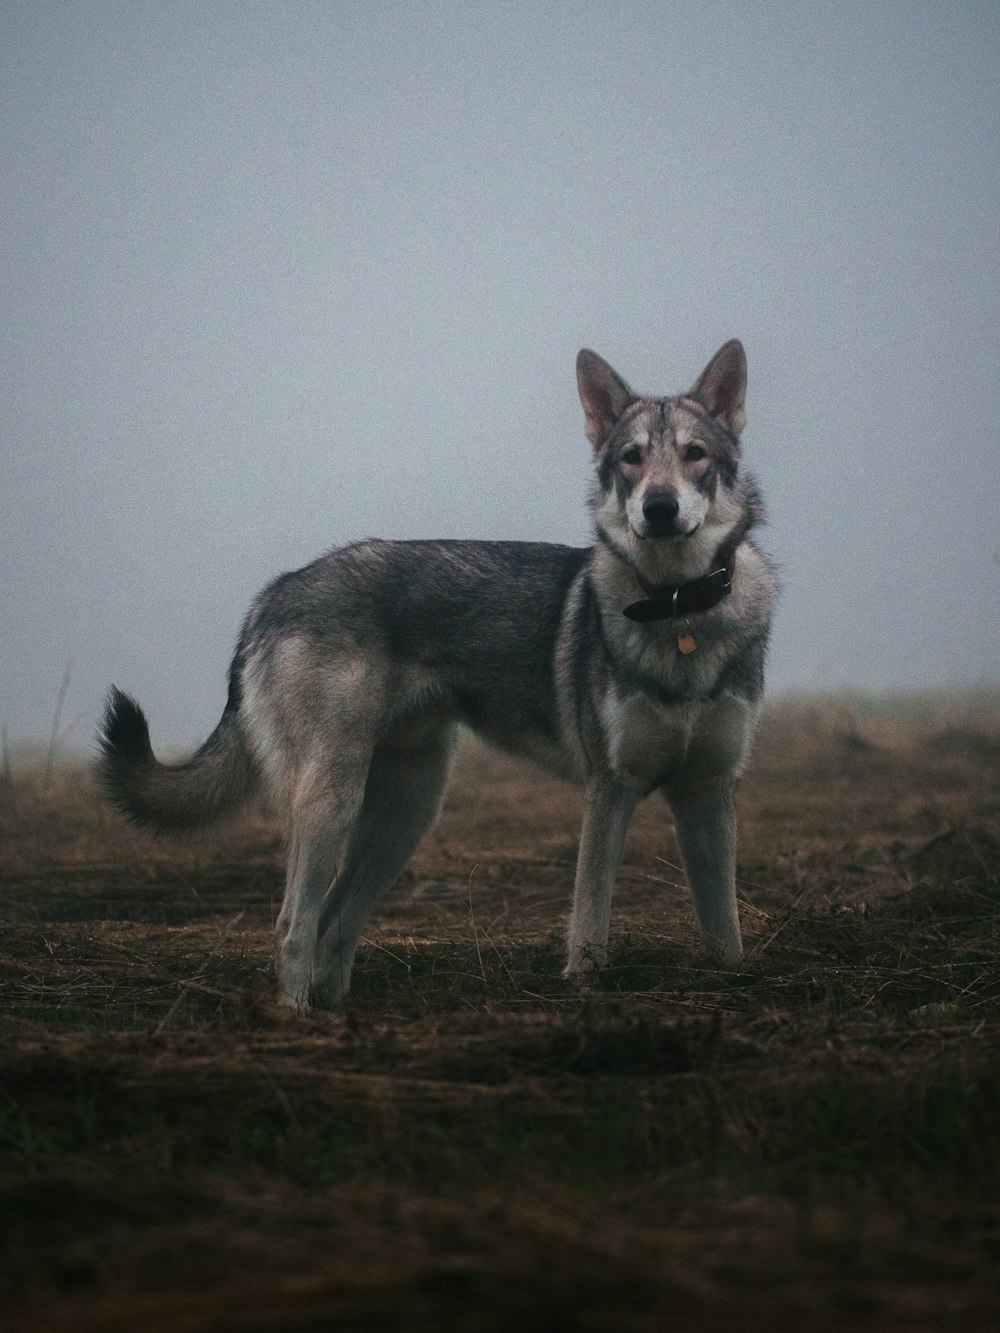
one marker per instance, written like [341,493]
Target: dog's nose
[660,509]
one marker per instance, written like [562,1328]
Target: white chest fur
[649,741]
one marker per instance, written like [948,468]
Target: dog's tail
[166,798]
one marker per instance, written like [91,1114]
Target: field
[811,1141]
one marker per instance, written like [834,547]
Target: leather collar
[667,601]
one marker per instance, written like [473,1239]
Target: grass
[470,1139]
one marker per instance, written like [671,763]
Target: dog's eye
[632,455]
[694,453]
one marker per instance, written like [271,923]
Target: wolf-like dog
[632,666]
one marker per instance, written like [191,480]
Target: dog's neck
[684,591]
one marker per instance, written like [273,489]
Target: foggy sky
[278,276]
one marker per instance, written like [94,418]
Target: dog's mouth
[668,536]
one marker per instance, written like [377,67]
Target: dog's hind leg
[608,807]
[402,798]
[705,822]
[325,809]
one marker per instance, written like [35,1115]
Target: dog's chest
[681,658]
[645,739]
[648,740]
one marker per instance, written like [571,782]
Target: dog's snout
[660,508]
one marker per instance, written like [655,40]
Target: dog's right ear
[603,393]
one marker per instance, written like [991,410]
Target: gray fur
[352,673]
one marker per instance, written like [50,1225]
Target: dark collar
[667,601]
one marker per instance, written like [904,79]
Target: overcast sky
[278,276]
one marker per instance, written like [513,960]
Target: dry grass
[806,1142]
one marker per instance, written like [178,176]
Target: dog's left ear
[603,393]
[722,389]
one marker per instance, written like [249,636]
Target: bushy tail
[168,798]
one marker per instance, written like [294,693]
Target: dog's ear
[603,393]
[722,389]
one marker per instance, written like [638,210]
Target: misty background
[278,276]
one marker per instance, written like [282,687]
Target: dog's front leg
[705,821]
[607,809]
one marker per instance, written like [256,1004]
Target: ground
[807,1141]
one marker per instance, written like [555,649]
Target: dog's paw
[324,999]
[585,967]
[722,953]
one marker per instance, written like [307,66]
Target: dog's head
[666,467]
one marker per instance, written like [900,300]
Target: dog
[633,666]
